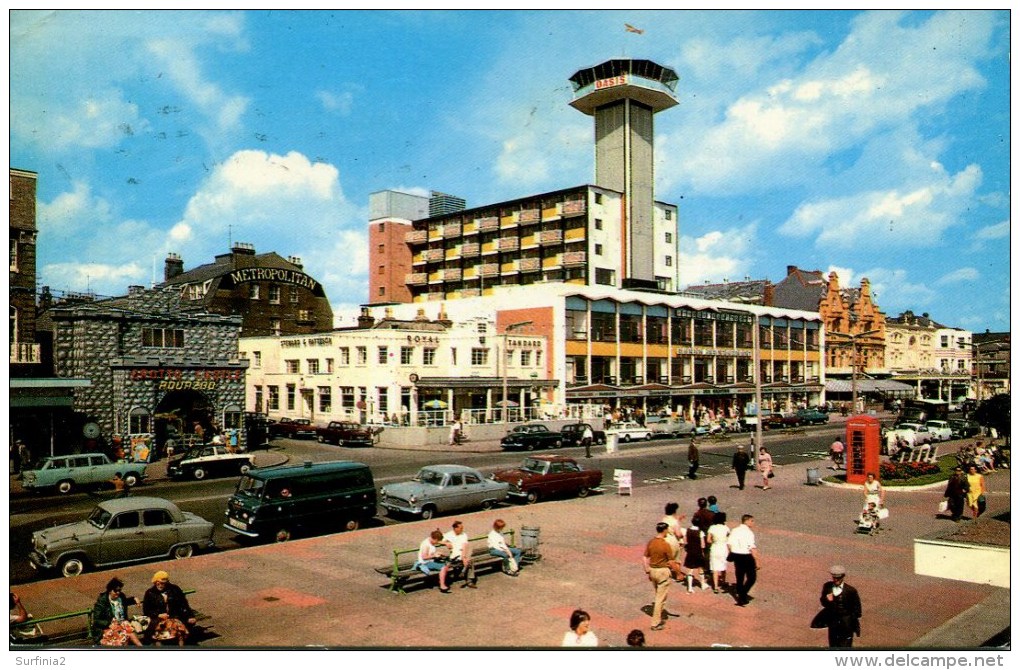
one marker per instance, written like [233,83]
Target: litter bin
[529,543]
[611,439]
[812,477]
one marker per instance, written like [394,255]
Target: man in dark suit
[741,461]
[842,608]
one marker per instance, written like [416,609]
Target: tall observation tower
[623,95]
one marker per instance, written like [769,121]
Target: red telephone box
[863,447]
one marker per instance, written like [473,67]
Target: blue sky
[875,144]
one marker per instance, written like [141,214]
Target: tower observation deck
[623,95]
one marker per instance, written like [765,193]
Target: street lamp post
[506,372]
[852,339]
[756,334]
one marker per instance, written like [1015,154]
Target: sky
[874,144]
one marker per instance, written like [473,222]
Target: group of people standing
[707,545]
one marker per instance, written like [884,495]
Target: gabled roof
[225,263]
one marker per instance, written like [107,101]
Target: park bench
[29,632]
[402,572]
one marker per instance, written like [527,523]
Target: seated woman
[498,547]
[168,610]
[110,623]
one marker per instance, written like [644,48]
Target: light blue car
[66,473]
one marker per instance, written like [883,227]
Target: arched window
[139,421]
[232,417]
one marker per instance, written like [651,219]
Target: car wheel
[184,551]
[428,512]
[532,497]
[583,492]
[130,479]
[625,438]
[601,440]
[65,486]
[72,567]
[282,535]
[530,446]
[487,505]
[648,436]
[245,468]
[198,474]
[352,524]
[321,439]
[557,444]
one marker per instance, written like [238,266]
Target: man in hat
[842,607]
[741,461]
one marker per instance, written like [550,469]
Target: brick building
[24,358]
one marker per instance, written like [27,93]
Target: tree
[994,413]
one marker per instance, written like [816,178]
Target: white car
[940,430]
[914,434]
[626,431]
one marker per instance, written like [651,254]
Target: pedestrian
[498,547]
[635,638]
[692,460]
[741,461]
[765,467]
[713,504]
[703,517]
[694,557]
[717,550]
[841,609]
[674,537]
[873,491]
[455,432]
[836,454]
[580,633]
[460,558]
[975,491]
[746,562]
[956,493]
[586,438]
[656,562]
[168,610]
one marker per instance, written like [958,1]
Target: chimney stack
[296,261]
[365,320]
[172,266]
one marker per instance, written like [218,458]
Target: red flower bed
[907,470]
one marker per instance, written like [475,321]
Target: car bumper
[239,527]
[38,561]
[401,509]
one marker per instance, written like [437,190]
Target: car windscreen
[99,517]
[426,476]
[532,465]
[251,486]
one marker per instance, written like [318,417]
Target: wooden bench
[402,571]
[84,632]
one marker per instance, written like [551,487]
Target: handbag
[730,557]
[821,619]
[944,507]
[771,474]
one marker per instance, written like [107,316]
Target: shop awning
[867,386]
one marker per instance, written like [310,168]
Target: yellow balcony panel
[508,268]
[471,272]
[418,259]
[552,262]
[529,241]
[603,349]
[550,213]
[575,347]
[576,280]
[575,234]
[452,254]
[488,290]
[489,247]
[469,228]
[507,221]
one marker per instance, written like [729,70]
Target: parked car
[442,488]
[66,473]
[121,530]
[940,430]
[768,420]
[803,417]
[664,426]
[346,433]
[292,428]
[964,428]
[914,434]
[530,436]
[209,460]
[548,476]
[570,434]
[626,431]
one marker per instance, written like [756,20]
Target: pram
[870,520]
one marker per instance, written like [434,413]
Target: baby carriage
[870,520]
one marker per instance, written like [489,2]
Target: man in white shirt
[745,558]
[460,557]
[586,438]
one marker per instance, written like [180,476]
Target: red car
[547,477]
[292,428]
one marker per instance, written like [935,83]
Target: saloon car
[548,476]
[121,530]
[629,430]
[442,488]
[531,436]
[347,433]
[570,434]
[940,430]
[209,460]
[963,428]
[664,426]
[66,473]
[292,428]
[913,434]
[805,417]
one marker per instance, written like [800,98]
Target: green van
[272,503]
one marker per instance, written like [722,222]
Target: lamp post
[756,335]
[976,346]
[506,372]
[852,338]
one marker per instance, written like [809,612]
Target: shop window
[139,421]
[384,400]
[232,417]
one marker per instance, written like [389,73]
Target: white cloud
[894,292]
[95,277]
[339,103]
[846,276]
[72,211]
[995,231]
[717,255]
[957,276]
[915,215]
[99,121]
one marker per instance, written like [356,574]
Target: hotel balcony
[575,258]
[531,264]
[529,216]
[25,352]
[573,207]
[451,274]
[470,249]
[488,224]
[489,270]
[508,268]
[432,255]
[452,230]
[575,234]
[551,213]
[509,244]
[529,241]
[470,228]
[552,262]
[470,292]
[417,278]
[416,236]
[550,237]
